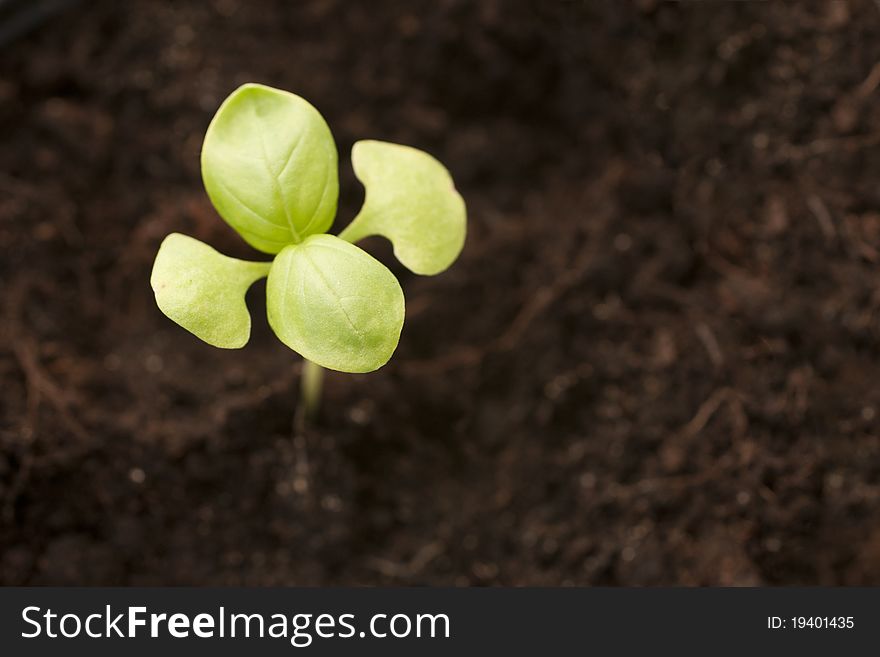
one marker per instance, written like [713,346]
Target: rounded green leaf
[411,200]
[335,304]
[269,165]
[203,290]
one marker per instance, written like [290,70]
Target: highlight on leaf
[411,200]
[203,290]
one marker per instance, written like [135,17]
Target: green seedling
[269,165]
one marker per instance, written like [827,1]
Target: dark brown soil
[657,361]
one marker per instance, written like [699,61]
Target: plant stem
[311,380]
[310,390]
[352,233]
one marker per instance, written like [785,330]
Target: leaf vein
[235,197]
[276,183]
[336,295]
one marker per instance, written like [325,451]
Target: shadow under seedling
[269,165]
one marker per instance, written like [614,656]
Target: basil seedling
[269,165]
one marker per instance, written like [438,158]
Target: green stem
[310,389]
[352,233]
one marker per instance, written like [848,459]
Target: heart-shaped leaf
[203,290]
[335,304]
[269,165]
[411,200]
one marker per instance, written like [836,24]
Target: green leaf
[203,290]
[269,165]
[335,304]
[411,200]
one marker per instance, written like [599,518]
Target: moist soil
[656,362]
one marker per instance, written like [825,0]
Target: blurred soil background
[656,362]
